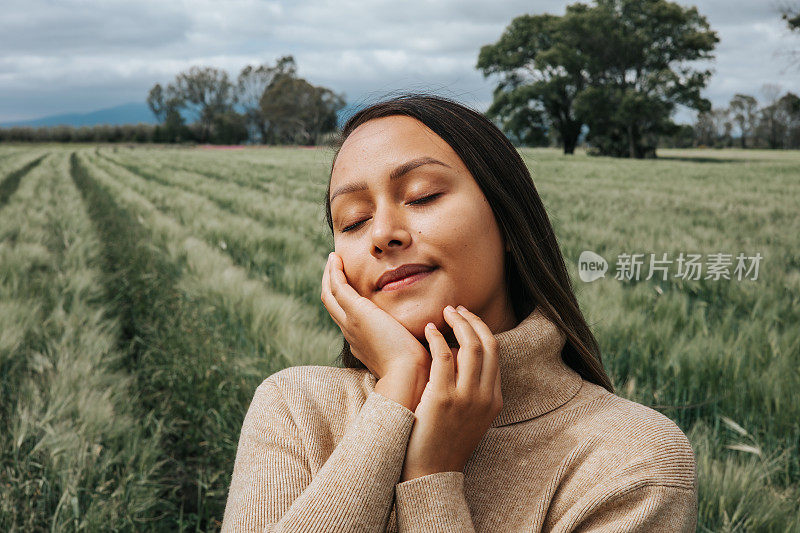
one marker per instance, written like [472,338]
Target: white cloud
[83,55]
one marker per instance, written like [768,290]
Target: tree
[228,127]
[204,93]
[207,92]
[522,117]
[779,123]
[705,131]
[791,14]
[155,101]
[684,137]
[165,105]
[619,66]
[537,84]
[724,127]
[790,103]
[744,109]
[251,85]
[714,128]
[772,122]
[278,106]
[298,112]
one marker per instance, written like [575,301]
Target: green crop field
[145,292]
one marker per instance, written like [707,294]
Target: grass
[75,451]
[11,181]
[146,291]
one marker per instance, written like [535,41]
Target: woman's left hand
[460,401]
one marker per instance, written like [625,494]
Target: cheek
[469,229]
[474,244]
[354,269]
[362,277]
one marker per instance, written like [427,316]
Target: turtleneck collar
[533,378]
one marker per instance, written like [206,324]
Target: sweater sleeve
[646,507]
[435,502]
[272,488]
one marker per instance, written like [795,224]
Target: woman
[495,416]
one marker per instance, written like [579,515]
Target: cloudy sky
[79,56]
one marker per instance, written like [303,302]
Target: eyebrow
[398,172]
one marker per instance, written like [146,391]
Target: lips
[401,272]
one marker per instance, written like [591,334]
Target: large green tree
[618,67]
[539,80]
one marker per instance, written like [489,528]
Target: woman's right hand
[400,363]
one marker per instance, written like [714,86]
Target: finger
[346,296]
[443,371]
[333,307]
[489,369]
[470,351]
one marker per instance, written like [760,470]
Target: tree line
[746,124]
[124,133]
[264,105]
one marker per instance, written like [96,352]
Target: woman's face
[383,225]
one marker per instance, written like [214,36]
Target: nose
[388,231]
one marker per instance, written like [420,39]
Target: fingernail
[449,308]
[461,308]
[430,325]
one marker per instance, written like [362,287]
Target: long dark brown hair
[535,272]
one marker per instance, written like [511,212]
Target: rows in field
[187,276]
[676,351]
[268,192]
[276,320]
[196,333]
[288,174]
[72,452]
[13,166]
[277,240]
[257,230]
[207,331]
[701,351]
[674,317]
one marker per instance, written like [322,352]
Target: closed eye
[425,199]
[420,201]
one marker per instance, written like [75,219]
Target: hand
[459,402]
[394,356]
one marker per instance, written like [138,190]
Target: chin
[414,317]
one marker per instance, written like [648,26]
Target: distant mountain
[131,113]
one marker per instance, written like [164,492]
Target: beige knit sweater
[321,451]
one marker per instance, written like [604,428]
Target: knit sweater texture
[321,451]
